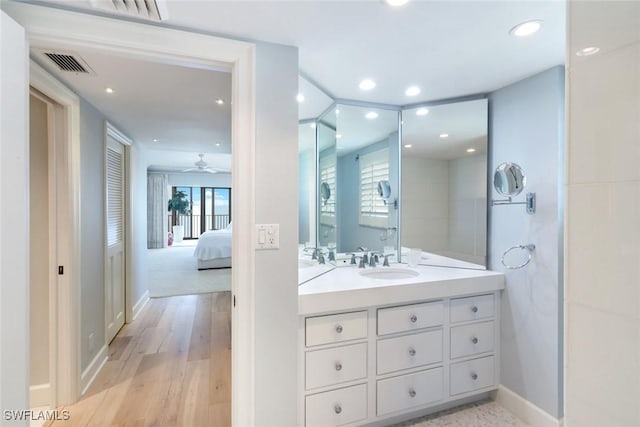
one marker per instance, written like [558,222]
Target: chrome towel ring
[530,247]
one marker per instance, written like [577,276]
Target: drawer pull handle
[474,340]
[412,352]
[412,393]
[474,309]
[338,366]
[413,318]
[474,376]
[339,329]
[337,409]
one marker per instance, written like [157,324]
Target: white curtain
[157,214]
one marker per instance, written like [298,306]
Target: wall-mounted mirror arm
[530,203]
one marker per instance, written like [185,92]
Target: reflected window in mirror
[327,185]
[374,168]
[444,183]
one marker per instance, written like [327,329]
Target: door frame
[110,130]
[54,27]
[64,296]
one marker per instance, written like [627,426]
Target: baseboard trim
[39,395]
[90,374]
[523,409]
[138,306]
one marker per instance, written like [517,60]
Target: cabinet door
[335,365]
[472,375]
[406,391]
[409,351]
[410,317]
[336,407]
[472,308]
[336,328]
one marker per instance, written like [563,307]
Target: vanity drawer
[410,317]
[335,328]
[471,339]
[472,308]
[336,407]
[409,351]
[335,365]
[471,375]
[406,391]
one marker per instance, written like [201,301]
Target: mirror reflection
[509,179]
[327,182]
[444,183]
[307,184]
[367,160]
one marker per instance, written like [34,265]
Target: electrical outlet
[268,236]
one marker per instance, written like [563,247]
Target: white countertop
[345,289]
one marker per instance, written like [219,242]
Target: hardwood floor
[170,367]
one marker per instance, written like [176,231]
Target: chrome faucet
[386,260]
[363,262]
[321,257]
[332,255]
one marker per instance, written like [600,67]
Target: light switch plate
[267,236]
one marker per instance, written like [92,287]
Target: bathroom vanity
[382,345]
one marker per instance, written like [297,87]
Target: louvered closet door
[115,206]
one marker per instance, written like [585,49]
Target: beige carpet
[173,271]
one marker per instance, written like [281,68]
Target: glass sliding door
[210,210]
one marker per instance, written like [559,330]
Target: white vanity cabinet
[395,362]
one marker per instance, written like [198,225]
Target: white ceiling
[357,131]
[448,48]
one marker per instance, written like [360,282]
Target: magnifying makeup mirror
[509,179]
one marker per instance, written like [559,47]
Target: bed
[214,249]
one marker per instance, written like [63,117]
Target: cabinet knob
[474,340]
[337,409]
[412,393]
[338,366]
[474,376]
[412,351]
[339,329]
[413,318]
[474,309]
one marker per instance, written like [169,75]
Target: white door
[115,261]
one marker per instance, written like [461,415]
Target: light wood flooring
[170,367]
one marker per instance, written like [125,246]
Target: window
[210,210]
[328,175]
[374,167]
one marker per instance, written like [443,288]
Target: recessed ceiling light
[471,150]
[155,140]
[217,144]
[367,84]
[312,125]
[371,115]
[527,28]
[412,91]
[108,90]
[300,97]
[587,51]
[397,3]
[338,135]
[422,112]
[444,135]
[220,101]
[408,146]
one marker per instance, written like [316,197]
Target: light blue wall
[526,127]
[351,234]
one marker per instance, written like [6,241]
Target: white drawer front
[336,407]
[472,308]
[410,351]
[471,339]
[410,317]
[336,328]
[335,365]
[472,375]
[406,391]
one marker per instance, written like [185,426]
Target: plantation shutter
[374,167]
[115,195]
[328,175]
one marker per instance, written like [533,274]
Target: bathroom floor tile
[485,413]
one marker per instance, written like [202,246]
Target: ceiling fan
[201,166]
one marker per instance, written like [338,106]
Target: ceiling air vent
[155,10]
[66,62]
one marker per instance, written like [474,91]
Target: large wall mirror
[367,180]
[307,184]
[444,183]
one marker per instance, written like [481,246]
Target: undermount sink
[306,263]
[384,273]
